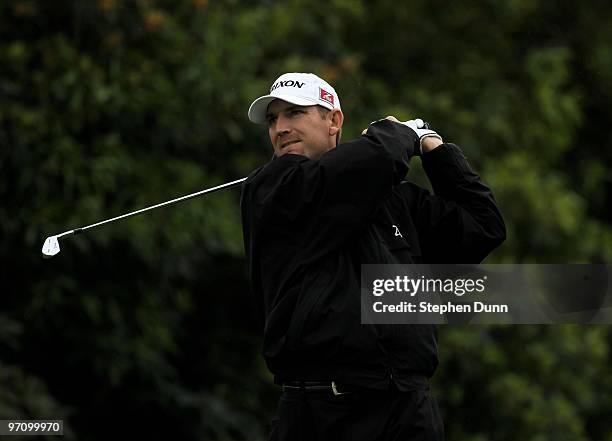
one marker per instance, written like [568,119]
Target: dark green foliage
[108,106]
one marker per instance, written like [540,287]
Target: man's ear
[337,118]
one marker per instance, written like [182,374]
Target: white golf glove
[422,130]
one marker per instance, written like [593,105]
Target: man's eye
[271,120]
[296,112]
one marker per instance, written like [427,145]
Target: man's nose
[282,126]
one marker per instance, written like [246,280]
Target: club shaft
[153,207]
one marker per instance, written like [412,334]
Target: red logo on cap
[326,96]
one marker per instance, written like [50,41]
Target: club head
[50,247]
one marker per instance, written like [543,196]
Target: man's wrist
[429,143]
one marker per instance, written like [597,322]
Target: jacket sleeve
[460,222]
[315,206]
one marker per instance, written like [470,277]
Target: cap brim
[259,107]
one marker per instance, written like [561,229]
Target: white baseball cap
[303,89]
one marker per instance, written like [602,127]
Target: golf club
[51,246]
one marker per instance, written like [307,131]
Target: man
[311,217]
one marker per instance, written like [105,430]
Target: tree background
[147,326]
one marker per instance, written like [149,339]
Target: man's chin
[298,149]
[293,149]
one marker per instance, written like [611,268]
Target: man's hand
[428,139]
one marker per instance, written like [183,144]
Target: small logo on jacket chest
[397,231]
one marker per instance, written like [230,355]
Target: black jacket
[309,225]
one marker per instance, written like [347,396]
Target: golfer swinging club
[311,217]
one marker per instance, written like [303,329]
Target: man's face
[299,130]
